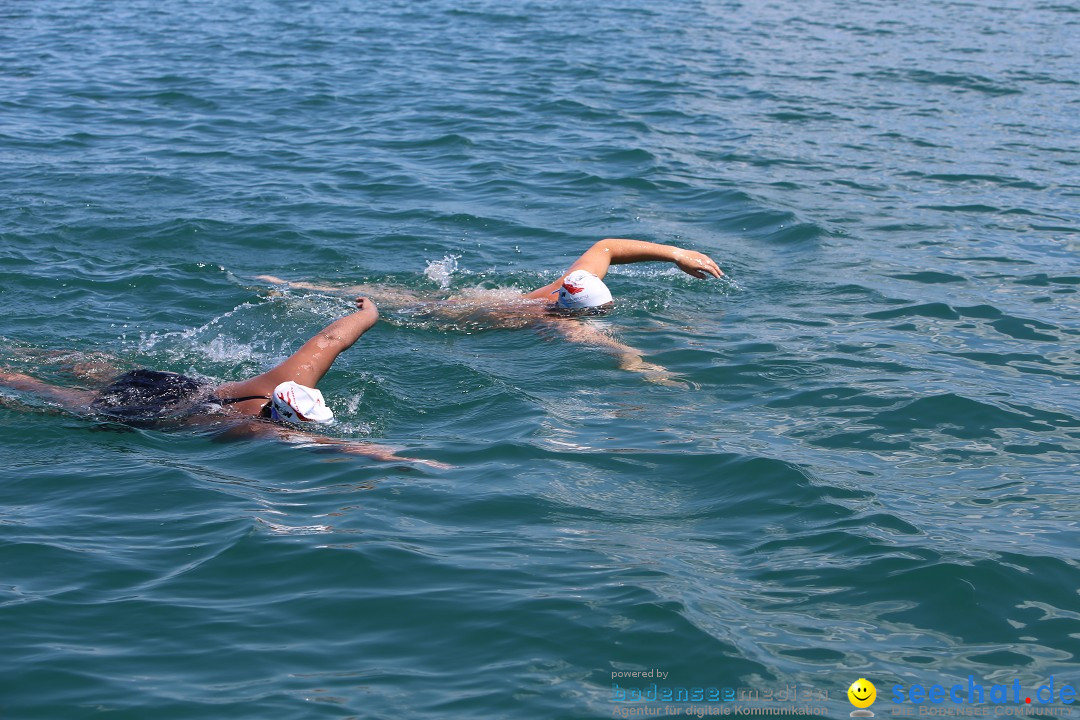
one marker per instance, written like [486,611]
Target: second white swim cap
[582,289]
[298,403]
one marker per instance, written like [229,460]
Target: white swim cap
[582,289]
[295,402]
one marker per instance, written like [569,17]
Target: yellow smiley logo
[862,693]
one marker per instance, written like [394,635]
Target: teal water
[868,471]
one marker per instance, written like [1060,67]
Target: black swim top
[151,396]
[230,401]
[264,413]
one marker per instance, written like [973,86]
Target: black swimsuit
[150,396]
[264,413]
[230,401]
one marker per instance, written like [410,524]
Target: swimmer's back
[150,396]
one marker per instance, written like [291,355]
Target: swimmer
[579,291]
[280,403]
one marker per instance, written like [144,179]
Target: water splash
[441,271]
[251,333]
[352,403]
[218,347]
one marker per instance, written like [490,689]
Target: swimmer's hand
[365,306]
[697,264]
[652,372]
[385,454]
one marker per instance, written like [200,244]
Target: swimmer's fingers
[366,305]
[672,381]
[634,363]
[656,374]
[697,264]
[662,376]
[659,375]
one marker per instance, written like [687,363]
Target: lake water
[868,470]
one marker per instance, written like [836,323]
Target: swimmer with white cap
[580,290]
[287,392]
[582,285]
[284,398]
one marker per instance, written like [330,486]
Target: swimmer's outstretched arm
[621,251]
[371,450]
[388,293]
[303,439]
[69,398]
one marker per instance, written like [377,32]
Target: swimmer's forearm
[343,332]
[348,329]
[622,251]
[629,358]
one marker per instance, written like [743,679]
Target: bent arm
[628,358]
[308,364]
[623,251]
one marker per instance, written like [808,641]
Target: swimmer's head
[298,403]
[581,289]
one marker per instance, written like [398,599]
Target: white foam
[282,529]
[441,271]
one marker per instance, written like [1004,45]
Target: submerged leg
[383,293]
